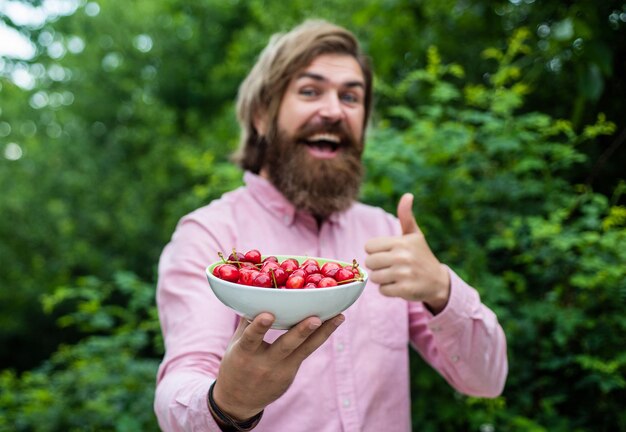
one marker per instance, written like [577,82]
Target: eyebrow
[318,77]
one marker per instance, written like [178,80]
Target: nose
[331,108]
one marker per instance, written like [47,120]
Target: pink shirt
[359,379]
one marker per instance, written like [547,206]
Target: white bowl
[289,306]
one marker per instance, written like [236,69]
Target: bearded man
[304,109]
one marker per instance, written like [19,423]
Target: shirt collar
[274,201]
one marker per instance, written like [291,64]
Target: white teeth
[325,137]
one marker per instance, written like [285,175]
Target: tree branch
[604,157]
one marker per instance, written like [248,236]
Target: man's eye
[308,92]
[350,98]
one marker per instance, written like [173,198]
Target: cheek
[356,125]
[291,119]
[293,113]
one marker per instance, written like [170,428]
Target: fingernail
[266,321]
[339,320]
[313,325]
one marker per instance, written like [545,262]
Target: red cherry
[298,272]
[248,275]
[314,278]
[294,282]
[310,261]
[289,265]
[330,268]
[253,256]
[279,275]
[311,268]
[228,272]
[270,258]
[310,285]
[216,270]
[327,282]
[262,280]
[331,273]
[269,265]
[236,256]
[343,275]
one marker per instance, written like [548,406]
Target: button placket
[345,384]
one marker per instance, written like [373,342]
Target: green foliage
[104,382]
[112,142]
[548,256]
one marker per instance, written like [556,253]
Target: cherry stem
[273,278]
[221,255]
[227,261]
[358,278]
[235,255]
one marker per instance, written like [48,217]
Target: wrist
[440,300]
[230,403]
[225,421]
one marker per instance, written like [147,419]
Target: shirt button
[455,358]
[340,347]
[436,328]
[346,402]
[286,219]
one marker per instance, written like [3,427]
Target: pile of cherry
[254,270]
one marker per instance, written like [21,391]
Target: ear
[260,123]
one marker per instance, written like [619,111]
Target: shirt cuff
[182,402]
[463,301]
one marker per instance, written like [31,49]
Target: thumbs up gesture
[404,266]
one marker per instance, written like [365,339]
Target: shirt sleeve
[464,343]
[196,327]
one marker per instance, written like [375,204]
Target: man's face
[315,143]
[330,90]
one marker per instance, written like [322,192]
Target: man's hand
[254,373]
[405,266]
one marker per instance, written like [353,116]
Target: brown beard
[318,186]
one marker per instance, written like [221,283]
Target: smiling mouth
[323,145]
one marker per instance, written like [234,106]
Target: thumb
[405,215]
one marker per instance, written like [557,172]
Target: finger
[383,276]
[405,214]
[379,260]
[242,324]
[316,340]
[399,289]
[254,332]
[390,290]
[286,344]
[380,244]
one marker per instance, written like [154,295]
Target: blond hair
[286,54]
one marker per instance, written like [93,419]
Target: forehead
[340,69]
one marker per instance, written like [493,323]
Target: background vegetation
[504,118]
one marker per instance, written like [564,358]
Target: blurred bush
[546,255]
[105,382]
